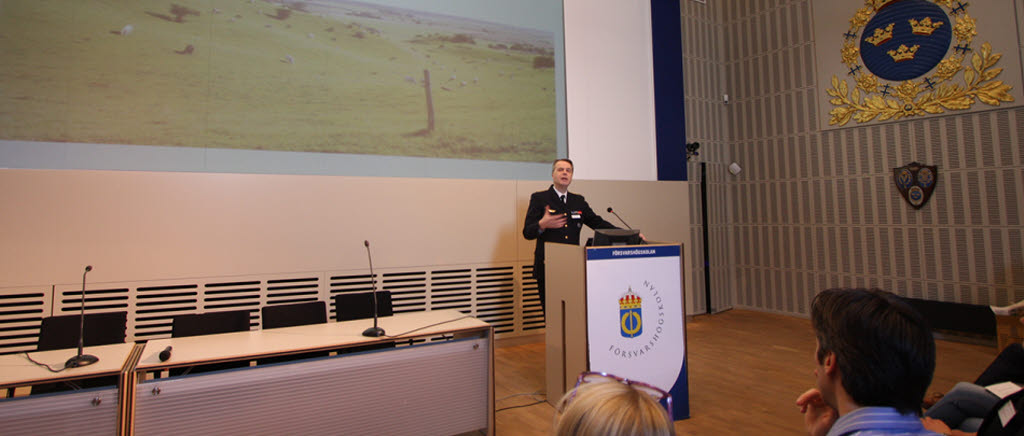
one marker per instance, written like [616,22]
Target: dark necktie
[563,198]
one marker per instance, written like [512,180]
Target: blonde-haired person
[605,405]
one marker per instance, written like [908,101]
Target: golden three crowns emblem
[908,58]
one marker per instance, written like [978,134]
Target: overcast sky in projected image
[532,14]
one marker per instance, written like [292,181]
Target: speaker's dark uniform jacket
[569,234]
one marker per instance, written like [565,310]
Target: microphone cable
[44,365]
[428,326]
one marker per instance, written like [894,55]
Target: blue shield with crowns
[905,39]
[631,322]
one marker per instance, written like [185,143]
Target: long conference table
[439,379]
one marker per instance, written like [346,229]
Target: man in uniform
[557,215]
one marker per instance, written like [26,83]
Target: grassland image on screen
[397,78]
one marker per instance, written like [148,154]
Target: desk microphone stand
[82,359]
[375,331]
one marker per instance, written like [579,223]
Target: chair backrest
[360,305]
[974,319]
[59,332]
[210,323]
[288,315]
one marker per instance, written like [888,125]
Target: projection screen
[459,88]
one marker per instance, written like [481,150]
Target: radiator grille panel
[393,392]
[503,295]
[21,312]
[88,412]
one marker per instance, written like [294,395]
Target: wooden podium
[616,309]
[565,317]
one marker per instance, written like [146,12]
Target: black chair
[290,315]
[58,332]
[359,305]
[956,318]
[208,324]
[61,332]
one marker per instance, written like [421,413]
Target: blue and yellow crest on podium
[631,322]
[909,58]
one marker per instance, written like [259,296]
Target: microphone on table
[82,359]
[612,211]
[375,331]
[166,354]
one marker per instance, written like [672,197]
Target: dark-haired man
[875,359]
[557,215]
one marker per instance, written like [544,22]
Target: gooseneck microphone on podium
[375,331]
[612,211]
[82,359]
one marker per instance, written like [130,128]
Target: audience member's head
[882,347]
[612,407]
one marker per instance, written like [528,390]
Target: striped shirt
[878,421]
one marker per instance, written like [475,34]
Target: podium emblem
[630,318]
[916,182]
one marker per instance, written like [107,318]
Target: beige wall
[144,225]
[608,65]
[134,226]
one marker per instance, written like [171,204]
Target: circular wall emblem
[925,177]
[916,195]
[904,179]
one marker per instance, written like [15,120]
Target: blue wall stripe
[670,130]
